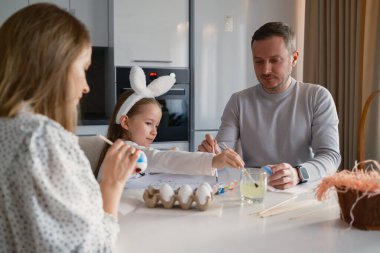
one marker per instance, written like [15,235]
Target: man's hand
[284,176]
[209,144]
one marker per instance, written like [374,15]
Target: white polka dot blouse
[49,198]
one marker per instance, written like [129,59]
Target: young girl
[138,127]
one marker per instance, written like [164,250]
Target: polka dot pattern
[50,200]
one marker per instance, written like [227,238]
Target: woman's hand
[228,158]
[118,165]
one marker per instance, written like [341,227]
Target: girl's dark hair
[116,131]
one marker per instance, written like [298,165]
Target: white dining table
[230,225]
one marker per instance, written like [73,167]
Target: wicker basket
[366,212]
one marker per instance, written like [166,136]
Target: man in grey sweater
[289,125]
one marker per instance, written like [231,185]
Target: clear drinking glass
[253,185]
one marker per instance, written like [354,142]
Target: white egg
[166,192]
[208,186]
[202,193]
[184,193]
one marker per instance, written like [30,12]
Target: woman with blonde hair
[50,200]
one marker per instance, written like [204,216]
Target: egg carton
[183,196]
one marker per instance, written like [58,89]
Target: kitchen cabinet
[93,14]
[151,33]
[222,62]
[8,7]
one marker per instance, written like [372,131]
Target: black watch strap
[303,175]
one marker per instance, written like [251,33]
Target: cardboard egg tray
[153,199]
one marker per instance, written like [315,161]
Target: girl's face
[143,126]
[77,74]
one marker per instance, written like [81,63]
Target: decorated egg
[166,192]
[202,193]
[142,162]
[185,193]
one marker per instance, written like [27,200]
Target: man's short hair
[276,29]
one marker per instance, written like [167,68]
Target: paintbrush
[244,170]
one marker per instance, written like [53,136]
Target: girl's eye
[148,123]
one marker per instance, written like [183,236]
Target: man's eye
[275,60]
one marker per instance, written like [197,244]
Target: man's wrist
[302,173]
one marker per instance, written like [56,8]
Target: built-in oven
[174,126]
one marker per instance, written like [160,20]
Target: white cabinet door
[8,7]
[222,58]
[94,14]
[151,33]
[65,4]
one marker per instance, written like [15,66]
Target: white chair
[92,147]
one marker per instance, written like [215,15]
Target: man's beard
[278,86]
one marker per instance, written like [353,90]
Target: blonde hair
[38,46]
[116,131]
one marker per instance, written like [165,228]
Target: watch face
[303,173]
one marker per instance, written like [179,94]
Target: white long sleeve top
[298,126]
[49,198]
[177,162]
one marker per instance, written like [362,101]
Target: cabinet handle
[156,61]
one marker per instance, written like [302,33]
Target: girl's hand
[228,158]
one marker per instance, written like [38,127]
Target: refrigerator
[220,54]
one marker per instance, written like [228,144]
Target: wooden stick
[295,206]
[105,139]
[278,205]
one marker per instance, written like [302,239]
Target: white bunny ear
[138,83]
[160,85]
[138,80]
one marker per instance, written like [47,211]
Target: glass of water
[253,185]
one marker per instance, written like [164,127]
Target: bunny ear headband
[156,88]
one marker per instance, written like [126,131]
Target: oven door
[174,125]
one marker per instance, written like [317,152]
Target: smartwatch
[302,174]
